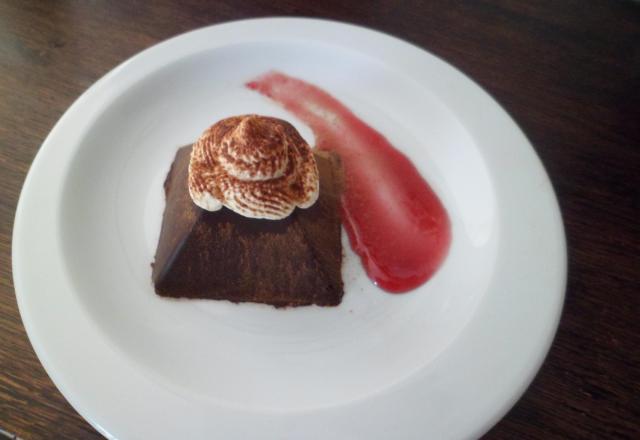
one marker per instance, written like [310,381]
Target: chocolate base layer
[222,255]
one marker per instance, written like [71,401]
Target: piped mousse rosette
[231,230]
[257,166]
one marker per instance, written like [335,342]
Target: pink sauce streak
[394,220]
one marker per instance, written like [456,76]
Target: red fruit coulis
[394,220]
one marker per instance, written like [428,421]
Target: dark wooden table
[568,72]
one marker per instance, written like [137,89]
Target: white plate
[445,361]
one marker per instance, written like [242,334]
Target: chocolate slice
[222,255]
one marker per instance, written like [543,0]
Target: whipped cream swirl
[257,166]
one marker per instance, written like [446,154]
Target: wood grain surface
[567,71]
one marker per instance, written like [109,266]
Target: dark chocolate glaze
[222,255]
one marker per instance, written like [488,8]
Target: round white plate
[444,361]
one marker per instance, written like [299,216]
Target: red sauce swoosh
[394,220]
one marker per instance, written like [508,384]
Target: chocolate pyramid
[222,255]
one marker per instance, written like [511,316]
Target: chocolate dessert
[220,254]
